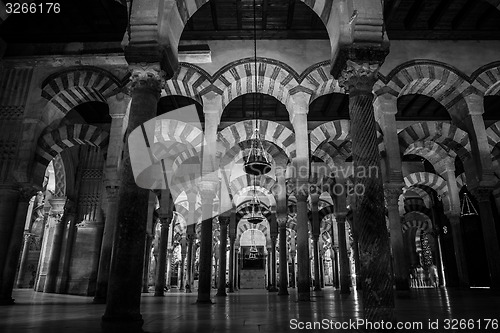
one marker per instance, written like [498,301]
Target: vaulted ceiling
[106,20]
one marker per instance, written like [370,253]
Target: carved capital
[282,220]
[26,192]
[358,78]
[224,220]
[28,236]
[207,190]
[482,194]
[340,217]
[392,192]
[147,76]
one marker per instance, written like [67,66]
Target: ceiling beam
[413,14]
[438,13]
[390,10]
[264,14]
[487,14]
[248,34]
[291,10]
[238,14]
[462,14]
[213,12]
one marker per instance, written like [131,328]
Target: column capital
[453,217]
[147,76]
[392,192]
[224,220]
[282,221]
[340,217]
[359,77]
[207,189]
[26,192]
[482,193]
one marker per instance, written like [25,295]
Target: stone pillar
[458,245]
[183,244]
[162,256]
[125,278]
[68,242]
[400,265]
[355,250]
[23,266]
[57,215]
[147,261]
[386,107]
[335,266]
[10,266]
[236,269]
[117,109]
[293,271]
[315,223]
[358,79]
[301,165]
[345,269]
[483,195]
[207,191]
[273,287]
[9,195]
[191,236]
[170,252]
[322,268]
[223,222]
[283,290]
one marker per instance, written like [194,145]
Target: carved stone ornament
[359,77]
[146,76]
[392,192]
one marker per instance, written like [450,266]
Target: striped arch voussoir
[331,131]
[445,134]
[72,87]
[431,181]
[189,81]
[417,220]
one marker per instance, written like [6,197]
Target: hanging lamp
[468,208]
[256,215]
[257,163]
[253,248]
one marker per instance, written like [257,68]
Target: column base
[273,289]
[221,294]
[7,301]
[317,288]
[99,300]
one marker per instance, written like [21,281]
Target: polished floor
[254,311]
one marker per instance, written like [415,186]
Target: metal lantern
[256,215]
[253,248]
[468,208]
[257,163]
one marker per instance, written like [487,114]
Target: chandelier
[467,208]
[257,163]
[253,248]
[256,215]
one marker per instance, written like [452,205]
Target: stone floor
[249,311]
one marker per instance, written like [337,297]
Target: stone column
[207,191]
[23,266]
[345,269]
[335,266]
[66,257]
[458,245]
[273,287]
[57,215]
[358,79]
[483,195]
[236,269]
[315,234]
[283,290]
[301,165]
[183,244]
[224,223]
[400,265]
[118,105]
[125,278]
[10,266]
[322,267]
[355,250]
[162,256]
[9,195]
[386,107]
[170,252]
[191,236]
[147,261]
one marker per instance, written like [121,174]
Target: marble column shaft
[10,266]
[160,281]
[190,260]
[283,289]
[224,223]
[207,193]
[345,269]
[9,195]
[358,79]
[23,266]
[125,278]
